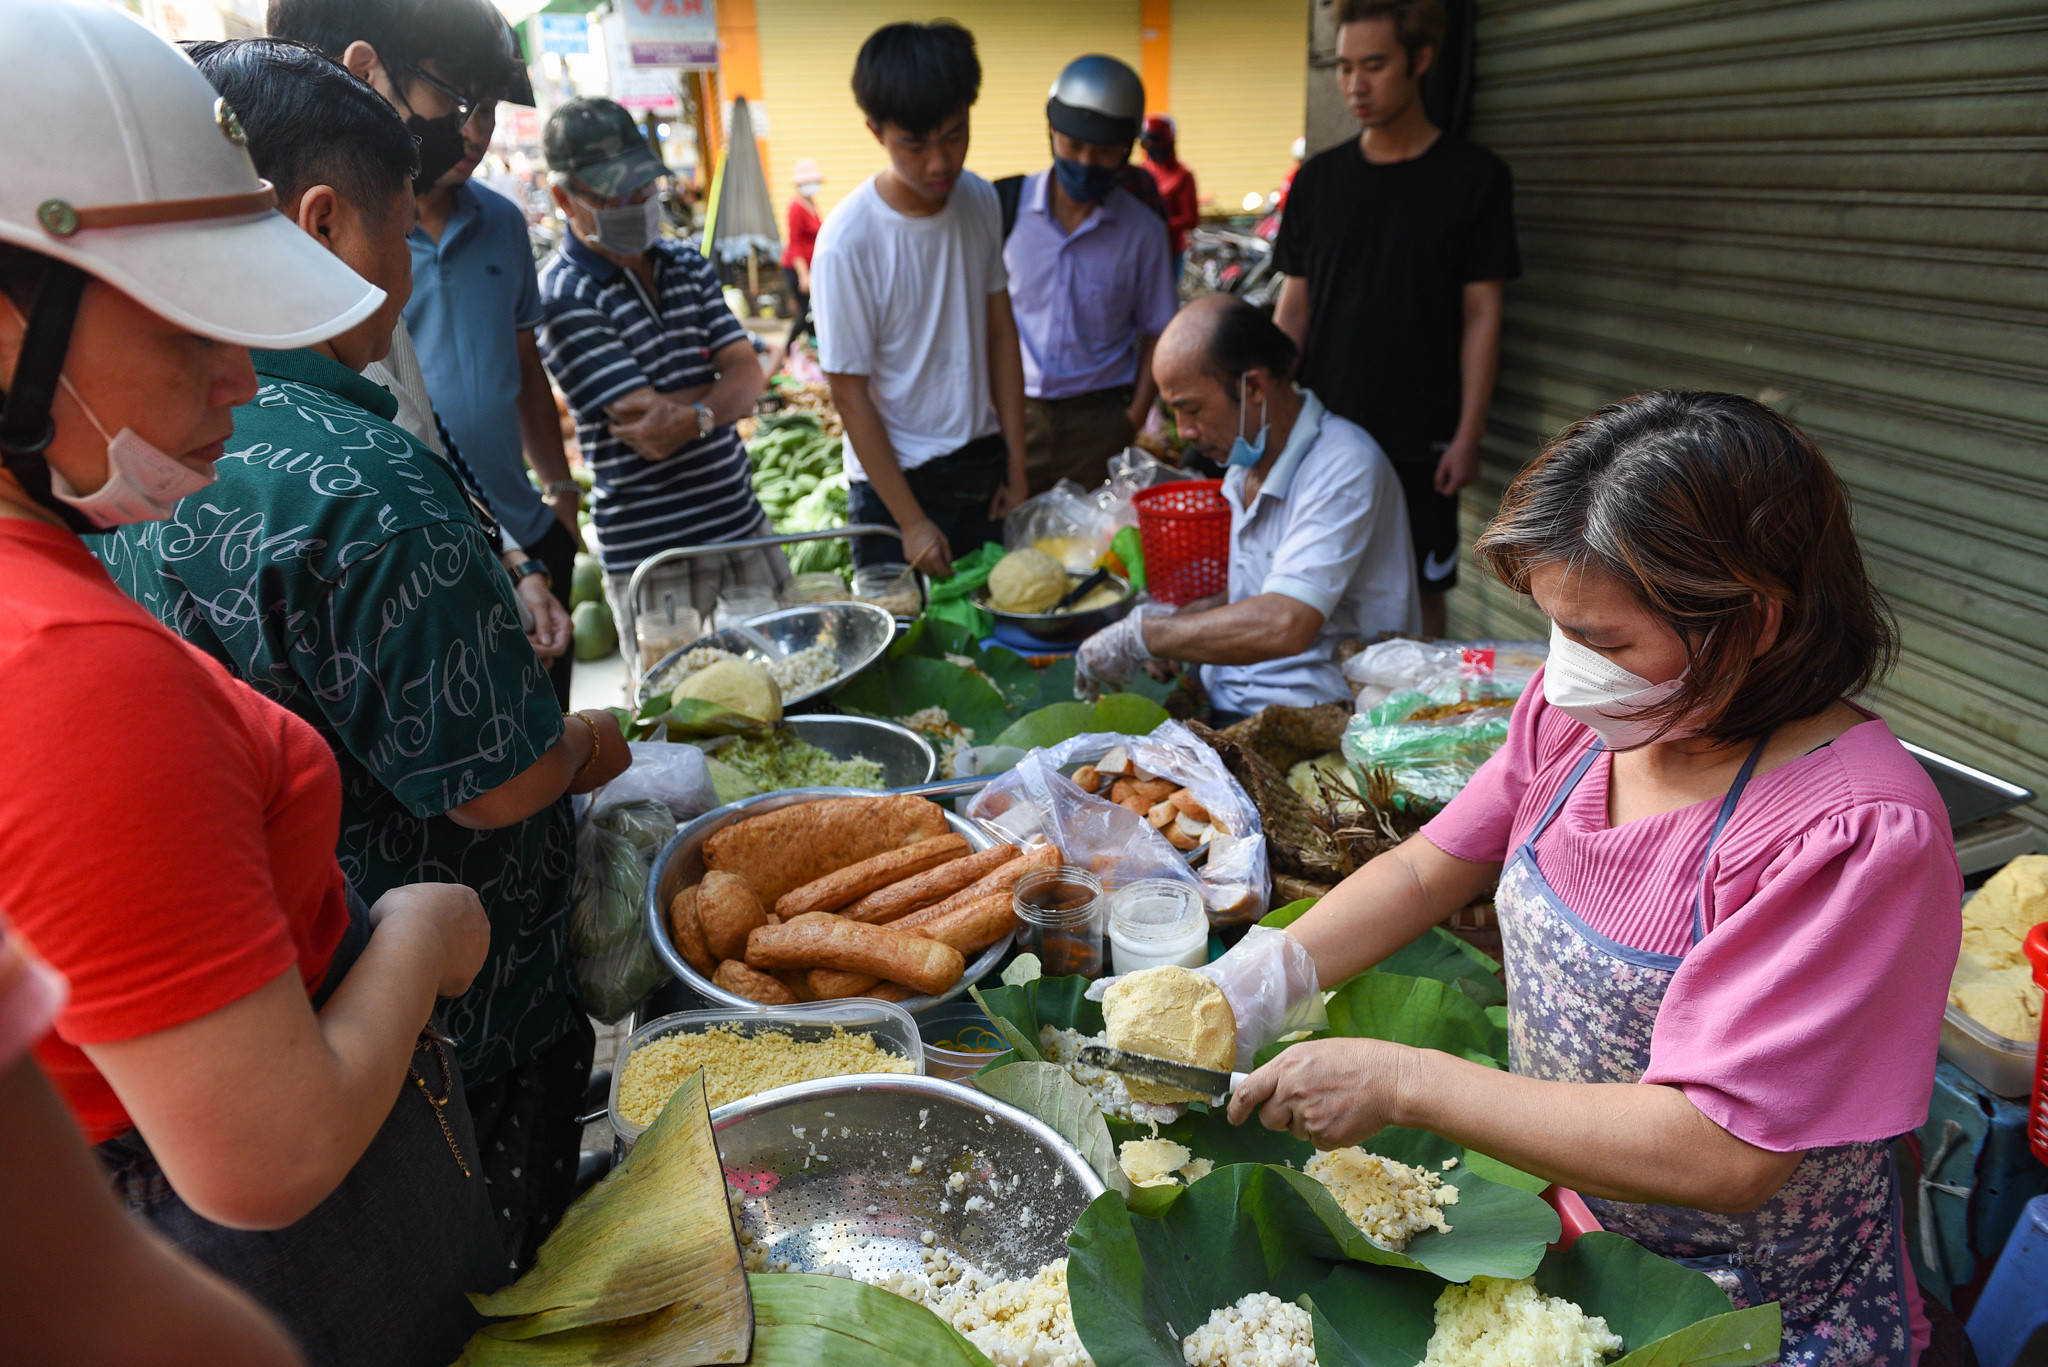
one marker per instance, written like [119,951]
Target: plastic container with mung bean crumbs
[893,1028]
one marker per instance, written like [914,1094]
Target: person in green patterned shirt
[337,566]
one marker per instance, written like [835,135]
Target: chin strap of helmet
[26,427]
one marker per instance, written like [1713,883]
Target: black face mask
[440,144]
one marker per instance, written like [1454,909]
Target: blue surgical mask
[1082,182]
[1243,452]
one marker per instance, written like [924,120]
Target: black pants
[954,490]
[527,1133]
[557,550]
[800,303]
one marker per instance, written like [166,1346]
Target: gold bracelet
[596,747]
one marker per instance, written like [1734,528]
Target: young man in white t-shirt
[913,314]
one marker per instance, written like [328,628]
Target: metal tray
[1970,794]
[681,862]
[825,1172]
[857,632]
[1055,628]
[906,758]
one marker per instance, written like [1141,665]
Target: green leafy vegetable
[1048,1092]
[896,686]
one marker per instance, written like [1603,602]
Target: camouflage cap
[597,142]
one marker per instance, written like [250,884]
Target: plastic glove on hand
[1111,656]
[1270,982]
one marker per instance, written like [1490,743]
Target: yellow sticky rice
[738,1064]
[1389,1201]
[1493,1322]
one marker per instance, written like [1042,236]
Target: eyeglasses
[652,189]
[465,105]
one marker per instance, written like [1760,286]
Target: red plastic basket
[1184,528]
[2037,1116]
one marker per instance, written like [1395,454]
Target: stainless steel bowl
[681,863]
[906,757]
[1055,627]
[825,1170]
[857,632]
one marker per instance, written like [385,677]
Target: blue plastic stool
[2009,1327]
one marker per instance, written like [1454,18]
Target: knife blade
[1204,1082]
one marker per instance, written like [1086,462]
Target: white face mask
[807,188]
[629,229]
[1590,688]
[143,483]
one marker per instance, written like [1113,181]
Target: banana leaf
[804,1319]
[1139,1285]
[1424,1012]
[1666,1315]
[896,686]
[1124,714]
[1436,953]
[1018,1012]
[653,1239]
[1047,1091]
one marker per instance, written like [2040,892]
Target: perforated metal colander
[825,1169]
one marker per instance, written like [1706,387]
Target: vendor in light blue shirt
[474,308]
[1091,280]
[1319,548]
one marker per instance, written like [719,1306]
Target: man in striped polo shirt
[656,370]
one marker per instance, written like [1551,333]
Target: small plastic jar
[814,586]
[1060,912]
[1157,921]
[891,586]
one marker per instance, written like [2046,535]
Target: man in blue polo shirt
[1091,281]
[656,370]
[475,307]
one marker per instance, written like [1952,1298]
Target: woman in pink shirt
[1728,897]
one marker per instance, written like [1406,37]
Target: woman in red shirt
[250,1048]
[804,222]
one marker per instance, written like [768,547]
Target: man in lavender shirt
[1091,281]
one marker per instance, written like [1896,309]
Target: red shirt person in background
[1176,184]
[804,222]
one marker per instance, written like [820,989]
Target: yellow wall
[807,52]
[1236,82]
[1240,90]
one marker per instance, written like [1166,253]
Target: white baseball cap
[135,172]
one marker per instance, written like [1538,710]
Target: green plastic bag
[952,598]
[1432,758]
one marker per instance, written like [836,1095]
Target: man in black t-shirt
[1395,248]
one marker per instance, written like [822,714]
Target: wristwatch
[705,422]
[563,486]
[526,567]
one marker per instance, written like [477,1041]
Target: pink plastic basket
[1184,528]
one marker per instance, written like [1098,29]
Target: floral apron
[1581,1008]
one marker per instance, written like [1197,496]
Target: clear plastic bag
[1431,751]
[614,961]
[669,772]
[1131,470]
[1066,517]
[1446,671]
[1037,802]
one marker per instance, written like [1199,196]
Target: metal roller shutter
[1840,207]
